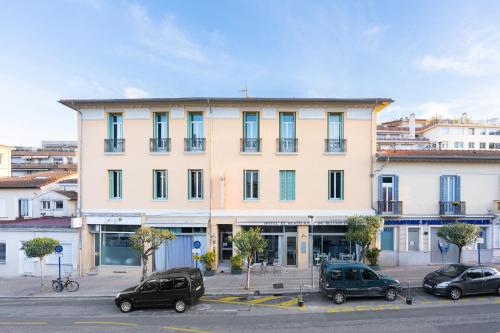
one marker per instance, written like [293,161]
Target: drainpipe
[210,175]
[79,203]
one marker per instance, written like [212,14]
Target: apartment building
[443,134]
[419,191]
[5,167]
[51,156]
[207,168]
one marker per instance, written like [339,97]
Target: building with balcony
[5,164]
[207,168]
[419,191]
[51,156]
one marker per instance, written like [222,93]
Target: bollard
[409,300]
[300,298]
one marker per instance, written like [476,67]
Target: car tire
[455,293]
[180,306]
[339,297]
[125,306]
[391,294]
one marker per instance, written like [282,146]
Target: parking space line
[481,299]
[426,302]
[444,302]
[112,323]
[229,298]
[360,308]
[181,329]
[258,304]
[263,299]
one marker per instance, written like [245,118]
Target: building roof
[42,222]
[440,155]
[42,152]
[35,180]
[72,195]
[68,181]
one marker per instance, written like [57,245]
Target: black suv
[178,287]
[457,280]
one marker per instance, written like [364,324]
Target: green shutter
[110,126]
[282,185]
[155,196]
[201,184]
[291,185]
[342,184]
[189,184]
[119,173]
[111,180]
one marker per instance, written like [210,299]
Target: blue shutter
[380,192]
[291,185]
[457,188]
[110,126]
[282,185]
[441,187]
[111,175]
[396,187]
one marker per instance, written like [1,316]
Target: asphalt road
[261,314]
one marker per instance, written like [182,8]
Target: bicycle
[59,284]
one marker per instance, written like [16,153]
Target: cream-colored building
[5,164]
[418,191]
[208,167]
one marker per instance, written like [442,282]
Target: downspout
[79,203]
[210,174]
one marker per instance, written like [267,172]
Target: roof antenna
[245,90]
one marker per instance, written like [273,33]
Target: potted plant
[236,263]
[372,256]
[208,260]
[456,203]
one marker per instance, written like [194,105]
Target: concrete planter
[236,271]
[209,273]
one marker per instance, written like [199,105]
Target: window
[45,204]
[59,204]
[471,131]
[115,184]
[351,274]
[494,145]
[115,126]
[24,208]
[114,247]
[336,184]
[487,271]
[3,252]
[195,184]
[251,184]
[159,184]
[471,145]
[457,131]
[483,233]
[474,273]
[368,275]
[167,284]
[287,184]
[445,130]
[482,131]
[413,239]
[494,131]
[195,130]
[482,145]
[180,283]
[149,285]
[387,239]
[1,156]
[336,275]
[459,145]
[444,145]
[160,125]
[287,125]
[251,125]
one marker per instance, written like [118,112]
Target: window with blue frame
[115,184]
[387,239]
[287,184]
[115,126]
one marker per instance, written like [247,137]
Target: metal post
[478,254]
[311,222]
[59,266]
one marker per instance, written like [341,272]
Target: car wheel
[339,297]
[391,295]
[180,306]
[125,306]
[455,294]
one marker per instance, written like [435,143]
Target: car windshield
[451,270]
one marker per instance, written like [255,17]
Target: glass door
[291,250]
[387,194]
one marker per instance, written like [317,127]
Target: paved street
[255,314]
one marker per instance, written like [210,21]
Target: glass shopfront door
[291,250]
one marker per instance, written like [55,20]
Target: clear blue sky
[432,57]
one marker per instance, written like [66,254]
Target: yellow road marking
[263,299]
[180,329]
[229,298]
[24,323]
[445,302]
[265,305]
[481,299]
[290,302]
[426,302]
[363,308]
[103,323]
[463,300]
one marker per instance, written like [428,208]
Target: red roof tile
[35,180]
[440,155]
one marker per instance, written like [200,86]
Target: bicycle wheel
[72,286]
[58,286]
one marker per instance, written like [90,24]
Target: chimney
[412,125]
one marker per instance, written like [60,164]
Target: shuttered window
[336,184]
[115,184]
[160,184]
[287,184]
[251,184]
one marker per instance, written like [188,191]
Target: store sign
[113,220]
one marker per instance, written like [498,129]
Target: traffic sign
[197,257]
[58,248]
[480,240]
[196,251]
[196,244]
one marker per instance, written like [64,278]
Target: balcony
[452,208]
[114,145]
[335,145]
[194,144]
[159,145]
[390,208]
[250,145]
[286,145]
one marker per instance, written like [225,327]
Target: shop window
[413,239]
[116,250]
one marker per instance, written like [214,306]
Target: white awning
[290,221]
[177,222]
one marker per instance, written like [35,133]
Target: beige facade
[223,206]
[5,164]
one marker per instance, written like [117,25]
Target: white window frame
[420,238]
[55,204]
[42,204]
[331,175]
[253,174]
[164,188]
[198,187]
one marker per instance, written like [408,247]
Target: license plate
[428,286]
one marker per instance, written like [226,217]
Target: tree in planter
[208,260]
[249,243]
[236,263]
[40,247]
[460,234]
[363,230]
[372,255]
[146,240]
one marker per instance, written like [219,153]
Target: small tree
[248,244]
[40,247]
[363,230]
[460,234]
[146,240]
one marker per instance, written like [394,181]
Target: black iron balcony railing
[335,145]
[287,145]
[194,144]
[114,145]
[390,208]
[452,208]
[250,145]
[159,145]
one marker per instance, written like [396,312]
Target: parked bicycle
[59,284]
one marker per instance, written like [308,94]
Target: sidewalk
[219,284]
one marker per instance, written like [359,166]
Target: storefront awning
[177,222]
[276,220]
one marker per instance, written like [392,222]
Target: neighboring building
[418,191]
[207,168]
[52,156]
[38,195]
[5,167]
[442,134]
[13,234]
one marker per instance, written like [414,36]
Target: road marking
[363,308]
[481,299]
[24,323]
[117,323]
[258,304]
[290,302]
[426,302]
[180,329]
[463,300]
[263,299]
[229,298]
[444,302]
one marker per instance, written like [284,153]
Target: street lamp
[311,223]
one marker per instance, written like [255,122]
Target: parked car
[178,287]
[342,279]
[457,280]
